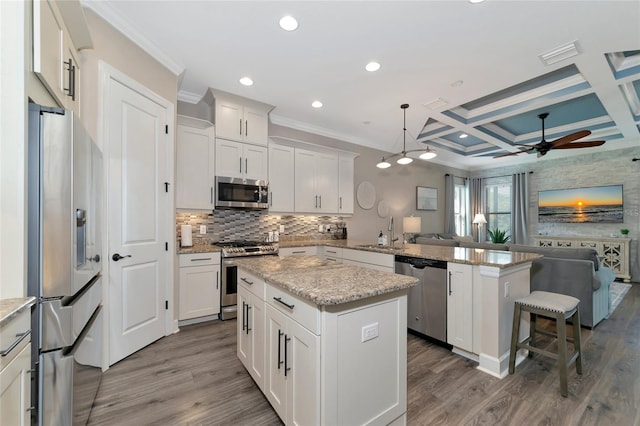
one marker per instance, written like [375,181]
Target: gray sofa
[572,271]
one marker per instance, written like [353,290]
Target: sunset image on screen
[600,204]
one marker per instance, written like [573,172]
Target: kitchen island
[325,342]
[482,287]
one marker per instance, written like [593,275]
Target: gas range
[247,248]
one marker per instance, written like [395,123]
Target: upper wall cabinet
[241,119]
[345,184]
[55,58]
[316,182]
[241,160]
[281,178]
[195,164]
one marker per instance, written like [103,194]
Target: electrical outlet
[282,229]
[203,229]
[320,228]
[506,289]
[369,332]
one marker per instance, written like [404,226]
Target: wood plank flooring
[194,378]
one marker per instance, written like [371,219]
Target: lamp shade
[411,224]
[479,219]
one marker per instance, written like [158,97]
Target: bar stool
[556,306]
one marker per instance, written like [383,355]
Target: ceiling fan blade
[587,144]
[570,138]
[513,153]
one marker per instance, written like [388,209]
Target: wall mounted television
[595,204]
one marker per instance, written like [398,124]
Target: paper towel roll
[186,236]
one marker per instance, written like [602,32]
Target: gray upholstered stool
[559,307]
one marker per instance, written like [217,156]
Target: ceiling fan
[563,143]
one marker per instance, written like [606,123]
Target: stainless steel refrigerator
[64,266]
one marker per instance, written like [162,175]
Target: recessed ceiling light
[464,135]
[288,23]
[475,1]
[316,104]
[372,66]
[246,81]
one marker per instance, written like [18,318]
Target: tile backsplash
[229,225]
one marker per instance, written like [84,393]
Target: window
[498,204]
[460,206]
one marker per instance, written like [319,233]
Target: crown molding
[115,19]
[298,125]
[190,97]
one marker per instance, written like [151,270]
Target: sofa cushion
[561,253]
[447,236]
[466,238]
[486,246]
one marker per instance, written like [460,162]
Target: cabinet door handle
[246,128]
[340,202]
[286,368]
[280,334]
[246,165]
[450,292]
[271,198]
[297,252]
[217,280]
[244,322]
[212,195]
[240,164]
[19,338]
[200,259]
[320,198]
[71,91]
[240,127]
[279,300]
[248,316]
[316,204]
[246,280]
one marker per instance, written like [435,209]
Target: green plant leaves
[498,236]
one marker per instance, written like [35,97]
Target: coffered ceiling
[484,70]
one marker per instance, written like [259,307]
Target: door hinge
[166,246]
[166,304]
[166,129]
[166,187]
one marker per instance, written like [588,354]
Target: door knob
[95,258]
[117,257]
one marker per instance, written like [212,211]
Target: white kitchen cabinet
[55,59]
[240,119]
[368,259]
[240,160]
[316,182]
[15,379]
[251,326]
[460,305]
[345,184]
[199,285]
[333,254]
[298,251]
[281,178]
[293,372]
[195,176]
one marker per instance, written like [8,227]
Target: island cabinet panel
[364,353]
[460,305]
[298,251]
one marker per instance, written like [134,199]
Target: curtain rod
[489,177]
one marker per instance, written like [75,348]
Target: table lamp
[411,225]
[480,220]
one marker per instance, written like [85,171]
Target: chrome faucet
[392,240]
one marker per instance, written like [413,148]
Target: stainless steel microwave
[241,193]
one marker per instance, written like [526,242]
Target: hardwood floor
[194,378]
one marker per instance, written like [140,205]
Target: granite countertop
[11,307]
[324,282]
[199,248]
[471,256]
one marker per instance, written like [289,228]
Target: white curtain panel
[519,208]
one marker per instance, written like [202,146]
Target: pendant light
[404,159]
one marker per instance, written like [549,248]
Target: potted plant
[497,236]
[624,232]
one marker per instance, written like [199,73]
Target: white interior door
[138,205]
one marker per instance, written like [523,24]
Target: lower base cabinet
[15,376]
[199,285]
[293,372]
[318,365]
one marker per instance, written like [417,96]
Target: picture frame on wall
[426,198]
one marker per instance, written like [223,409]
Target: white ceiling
[424,47]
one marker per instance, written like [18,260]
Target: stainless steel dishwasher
[427,301]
